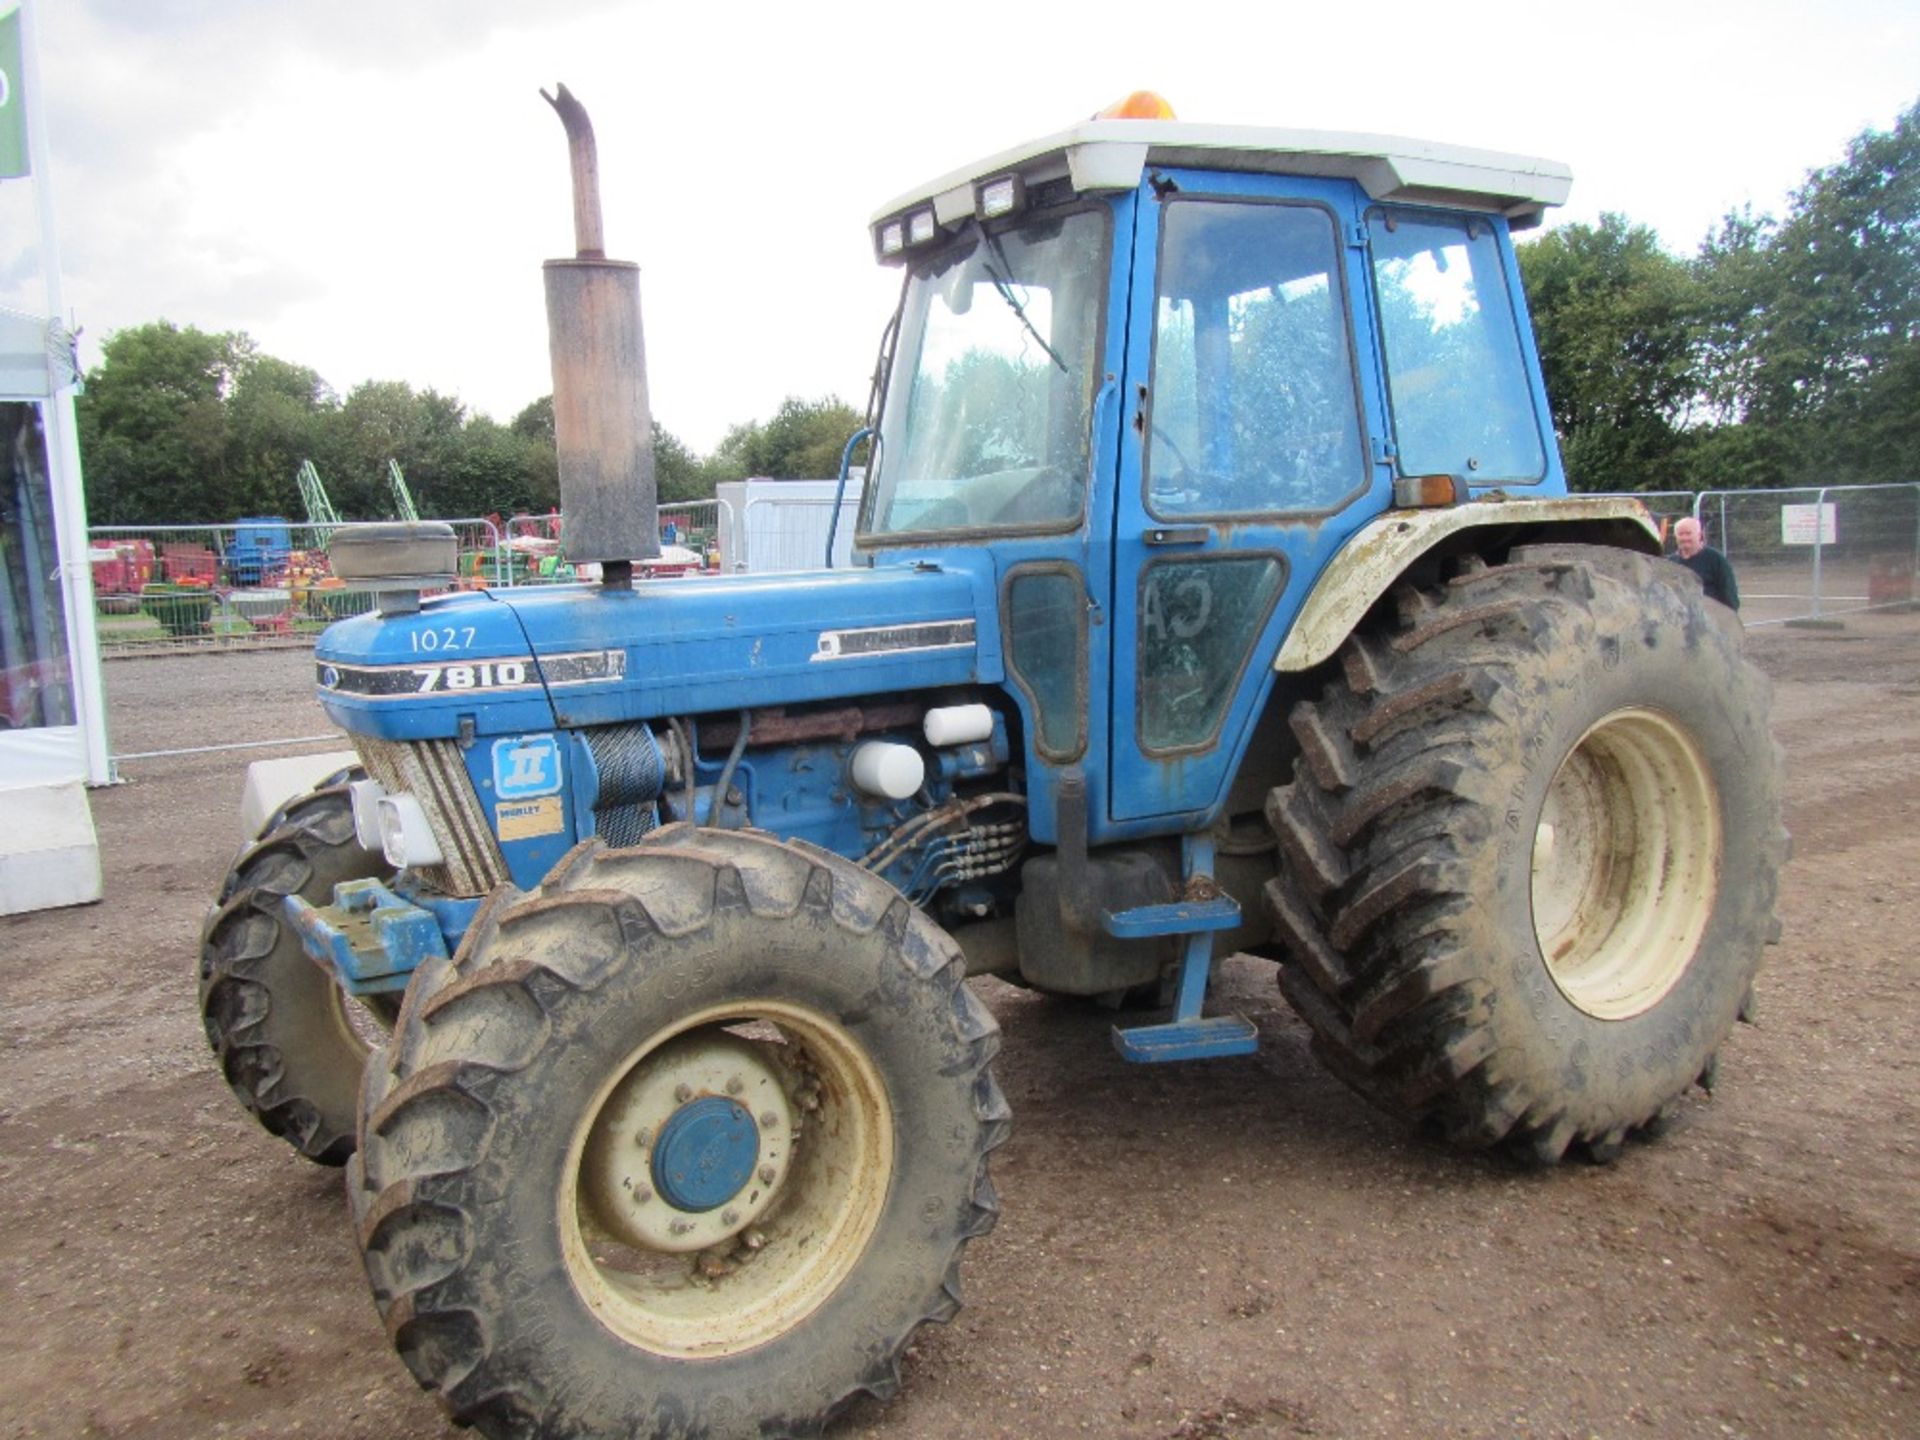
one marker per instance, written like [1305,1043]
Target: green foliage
[802,441]
[1786,353]
[155,409]
[1618,324]
[179,426]
[678,474]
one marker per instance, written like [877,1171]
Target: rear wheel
[290,1042]
[687,1143]
[1530,854]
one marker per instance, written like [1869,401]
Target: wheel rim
[364,1022]
[1626,863]
[725,1179]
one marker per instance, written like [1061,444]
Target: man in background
[1716,574]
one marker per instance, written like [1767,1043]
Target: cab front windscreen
[989,408]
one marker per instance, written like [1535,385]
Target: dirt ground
[1239,1248]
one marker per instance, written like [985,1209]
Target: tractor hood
[522,659]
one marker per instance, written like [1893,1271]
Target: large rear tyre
[687,1143]
[1531,850]
[289,1041]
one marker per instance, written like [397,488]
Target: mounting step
[1182,917]
[1212,1038]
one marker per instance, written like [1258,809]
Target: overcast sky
[368,187]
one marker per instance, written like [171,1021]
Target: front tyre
[1530,854]
[289,1041]
[687,1143]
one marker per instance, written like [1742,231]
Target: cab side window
[1254,406]
[1455,375]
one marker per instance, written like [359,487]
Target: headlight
[405,835]
[365,795]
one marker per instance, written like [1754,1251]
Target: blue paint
[1187,1036]
[370,938]
[525,766]
[705,1154]
[1183,917]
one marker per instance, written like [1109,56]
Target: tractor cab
[1161,373]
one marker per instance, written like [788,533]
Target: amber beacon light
[1140,105]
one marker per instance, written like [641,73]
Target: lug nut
[729,1217]
[683,1092]
[768,1174]
[641,1194]
[735,1085]
[768,1119]
[643,1139]
[681,1227]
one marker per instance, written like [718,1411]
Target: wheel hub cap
[705,1154]
[692,1146]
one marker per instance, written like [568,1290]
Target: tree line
[1784,351]
[181,426]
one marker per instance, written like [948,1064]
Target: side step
[1182,917]
[1188,1035]
[1211,1038]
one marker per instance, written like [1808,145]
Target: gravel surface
[1240,1248]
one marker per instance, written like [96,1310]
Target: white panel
[271,783]
[48,854]
[45,755]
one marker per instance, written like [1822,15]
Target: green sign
[13,101]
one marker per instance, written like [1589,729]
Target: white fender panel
[1380,553]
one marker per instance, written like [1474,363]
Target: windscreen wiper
[1004,284]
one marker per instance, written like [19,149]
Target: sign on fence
[1809,524]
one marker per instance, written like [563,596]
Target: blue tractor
[1216,589]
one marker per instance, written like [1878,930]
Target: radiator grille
[432,772]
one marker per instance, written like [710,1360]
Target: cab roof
[1114,154]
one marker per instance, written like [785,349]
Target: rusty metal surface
[589,240]
[1379,554]
[774,726]
[603,431]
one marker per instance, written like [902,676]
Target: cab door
[1252,448]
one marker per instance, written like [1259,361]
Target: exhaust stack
[601,425]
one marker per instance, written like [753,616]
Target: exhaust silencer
[602,428]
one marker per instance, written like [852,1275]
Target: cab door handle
[1178,535]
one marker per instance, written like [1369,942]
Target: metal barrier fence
[1812,554]
[530,552]
[1807,554]
[251,585]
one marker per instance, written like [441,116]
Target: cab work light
[1424,492]
[1000,196]
[920,227]
[891,238]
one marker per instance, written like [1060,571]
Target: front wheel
[290,1042]
[687,1143]
[1530,853]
